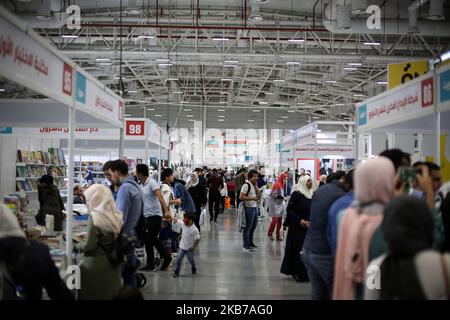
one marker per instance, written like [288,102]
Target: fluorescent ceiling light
[118,78]
[145,37]
[316,117]
[256,110]
[296,40]
[226,79]
[221,120]
[102,59]
[69,36]
[172,79]
[280,121]
[314,94]
[372,43]
[2,90]
[105,64]
[187,109]
[382,82]
[132,91]
[292,63]
[164,65]
[358,95]
[251,120]
[350,68]
[263,102]
[221,110]
[284,117]
[301,104]
[445,56]
[269,93]
[150,109]
[158,115]
[340,104]
[177,92]
[278,80]
[162,60]
[291,111]
[191,120]
[220,39]
[128,115]
[189,115]
[221,116]
[331,81]
[318,130]
[357,64]
[231,61]
[222,102]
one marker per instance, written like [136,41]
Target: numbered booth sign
[135,128]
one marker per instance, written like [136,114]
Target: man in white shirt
[250,194]
[154,206]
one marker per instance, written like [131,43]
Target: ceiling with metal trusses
[237,62]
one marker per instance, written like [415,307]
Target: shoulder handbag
[446,277]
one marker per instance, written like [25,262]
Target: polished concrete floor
[226,272]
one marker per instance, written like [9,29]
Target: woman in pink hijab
[374,186]
[277,206]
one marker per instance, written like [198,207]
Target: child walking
[190,237]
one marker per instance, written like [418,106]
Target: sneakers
[279,239]
[166,263]
[176,274]
[149,268]
[247,249]
[194,270]
[271,238]
[253,246]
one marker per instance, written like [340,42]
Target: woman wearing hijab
[374,186]
[197,191]
[411,270]
[50,202]
[100,280]
[277,206]
[297,221]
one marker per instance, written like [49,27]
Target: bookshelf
[31,165]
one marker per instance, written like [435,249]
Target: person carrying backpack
[130,202]
[100,279]
[250,195]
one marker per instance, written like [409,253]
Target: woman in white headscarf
[100,280]
[297,221]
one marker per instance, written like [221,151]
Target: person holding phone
[250,194]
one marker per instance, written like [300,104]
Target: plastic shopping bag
[204,220]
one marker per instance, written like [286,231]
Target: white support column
[160,160]
[69,220]
[203,136]
[122,139]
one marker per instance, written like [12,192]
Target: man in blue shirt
[130,202]
[336,209]
[154,207]
[316,249]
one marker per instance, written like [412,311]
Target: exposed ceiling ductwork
[337,19]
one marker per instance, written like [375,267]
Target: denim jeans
[251,221]
[190,256]
[320,272]
[129,269]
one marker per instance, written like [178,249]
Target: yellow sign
[399,73]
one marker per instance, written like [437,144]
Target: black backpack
[122,247]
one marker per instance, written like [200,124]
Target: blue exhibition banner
[6,130]
[362,115]
[444,84]
[81,88]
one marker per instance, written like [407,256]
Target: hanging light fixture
[255,15]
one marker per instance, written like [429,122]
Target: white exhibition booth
[407,118]
[74,99]
[320,147]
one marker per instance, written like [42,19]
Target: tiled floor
[226,272]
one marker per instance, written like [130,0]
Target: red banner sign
[135,128]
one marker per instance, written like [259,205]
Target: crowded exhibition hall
[244,150]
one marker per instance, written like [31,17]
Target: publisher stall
[321,147]
[404,118]
[73,99]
